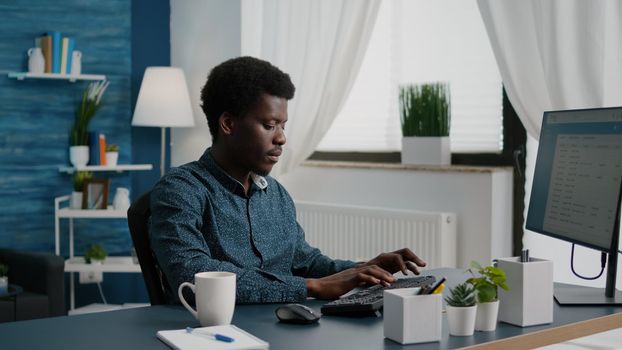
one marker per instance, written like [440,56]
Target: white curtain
[320,44]
[556,54]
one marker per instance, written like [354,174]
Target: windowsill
[409,167]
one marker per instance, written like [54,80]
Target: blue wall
[151,39]
[36,115]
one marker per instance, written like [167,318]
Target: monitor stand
[569,294]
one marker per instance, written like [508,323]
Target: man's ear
[226,123]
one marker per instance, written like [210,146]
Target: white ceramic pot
[121,199]
[486,319]
[36,62]
[76,62]
[461,320]
[426,150]
[79,155]
[4,285]
[76,200]
[112,158]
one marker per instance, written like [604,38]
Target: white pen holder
[530,298]
[410,318]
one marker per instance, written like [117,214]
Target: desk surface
[136,328]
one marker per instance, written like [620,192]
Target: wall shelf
[71,78]
[118,168]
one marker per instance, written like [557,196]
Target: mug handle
[183,301]
[30,51]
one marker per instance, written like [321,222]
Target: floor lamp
[163,101]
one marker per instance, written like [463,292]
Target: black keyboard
[368,301]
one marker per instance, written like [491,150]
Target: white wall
[481,200]
[203,34]
[207,32]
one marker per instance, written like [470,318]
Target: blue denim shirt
[202,220]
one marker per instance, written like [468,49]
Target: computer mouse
[296,313]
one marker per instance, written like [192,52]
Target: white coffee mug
[214,294]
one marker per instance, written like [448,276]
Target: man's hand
[333,286]
[399,260]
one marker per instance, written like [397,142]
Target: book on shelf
[56,51]
[70,44]
[46,48]
[63,55]
[93,148]
[102,149]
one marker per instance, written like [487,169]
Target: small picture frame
[95,194]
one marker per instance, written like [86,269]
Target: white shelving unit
[72,78]
[120,264]
[118,168]
[111,264]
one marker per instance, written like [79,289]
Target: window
[416,41]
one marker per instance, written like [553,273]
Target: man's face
[258,136]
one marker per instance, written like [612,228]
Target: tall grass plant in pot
[425,113]
[78,136]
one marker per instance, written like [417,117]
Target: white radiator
[361,233]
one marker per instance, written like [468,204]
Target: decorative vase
[486,319]
[76,62]
[76,200]
[121,199]
[36,62]
[4,285]
[112,158]
[428,150]
[79,155]
[461,320]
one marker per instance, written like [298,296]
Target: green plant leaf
[486,293]
[425,109]
[476,265]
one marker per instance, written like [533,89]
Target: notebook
[179,339]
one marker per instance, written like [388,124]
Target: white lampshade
[163,99]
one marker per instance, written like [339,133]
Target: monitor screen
[578,175]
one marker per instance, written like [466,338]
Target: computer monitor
[577,188]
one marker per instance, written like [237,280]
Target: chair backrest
[138,220]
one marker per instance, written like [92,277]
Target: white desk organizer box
[529,301]
[410,318]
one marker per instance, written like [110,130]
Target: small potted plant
[461,309]
[4,279]
[112,154]
[78,185]
[486,281]
[95,254]
[425,113]
[78,137]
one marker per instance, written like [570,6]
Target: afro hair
[236,85]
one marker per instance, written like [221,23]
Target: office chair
[138,220]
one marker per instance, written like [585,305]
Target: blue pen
[216,336]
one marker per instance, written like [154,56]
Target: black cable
[603,262]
